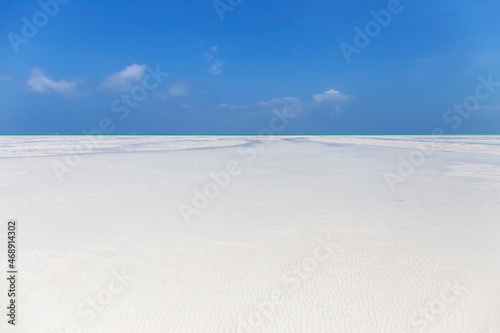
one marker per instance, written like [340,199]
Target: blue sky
[232,76]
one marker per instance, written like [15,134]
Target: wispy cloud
[263,107]
[194,98]
[278,102]
[331,96]
[180,88]
[40,83]
[216,67]
[125,79]
[210,53]
[330,102]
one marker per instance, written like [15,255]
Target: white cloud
[40,83]
[216,67]
[125,79]
[179,88]
[331,96]
[329,103]
[277,102]
[210,53]
[291,104]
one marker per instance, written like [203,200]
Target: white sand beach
[230,234]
